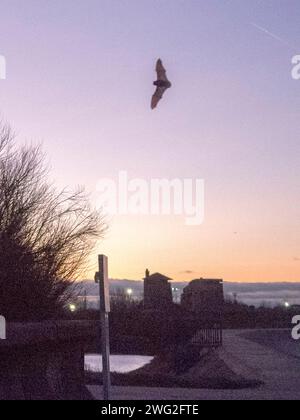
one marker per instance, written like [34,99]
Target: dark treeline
[237,315]
[134,329]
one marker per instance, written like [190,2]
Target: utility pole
[102,278]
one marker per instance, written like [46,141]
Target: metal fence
[209,337]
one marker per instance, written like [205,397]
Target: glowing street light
[72,307]
[129,292]
[287,305]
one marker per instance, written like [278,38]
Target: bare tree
[45,237]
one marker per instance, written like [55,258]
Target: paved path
[269,356]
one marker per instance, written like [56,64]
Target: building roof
[203,282]
[158,277]
[207,280]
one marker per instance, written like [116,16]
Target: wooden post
[102,277]
[105,356]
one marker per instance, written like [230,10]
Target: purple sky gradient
[79,80]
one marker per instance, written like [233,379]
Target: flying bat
[162,84]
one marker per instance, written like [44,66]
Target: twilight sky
[79,81]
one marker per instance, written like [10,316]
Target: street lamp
[72,307]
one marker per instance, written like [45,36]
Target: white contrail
[272,35]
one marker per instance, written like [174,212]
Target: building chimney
[147,273]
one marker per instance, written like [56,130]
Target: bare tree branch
[45,237]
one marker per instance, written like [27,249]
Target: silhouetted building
[205,297]
[157,291]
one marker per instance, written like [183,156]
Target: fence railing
[209,337]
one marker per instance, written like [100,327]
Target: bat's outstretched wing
[157,96]
[161,71]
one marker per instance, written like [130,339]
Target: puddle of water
[118,364]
